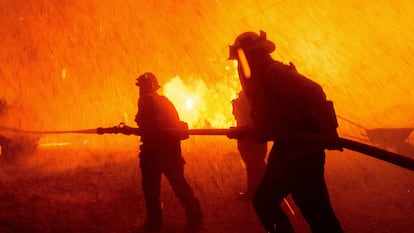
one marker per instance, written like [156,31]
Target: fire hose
[234,132]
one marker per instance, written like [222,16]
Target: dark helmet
[251,42]
[148,80]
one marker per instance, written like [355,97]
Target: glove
[234,133]
[240,133]
[100,130]
[124,129]
[183,130]
[331,141]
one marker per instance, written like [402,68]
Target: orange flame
[198,104]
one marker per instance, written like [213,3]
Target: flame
[196,105]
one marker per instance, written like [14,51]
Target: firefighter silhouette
[160,154]
[283,100]
[252,152]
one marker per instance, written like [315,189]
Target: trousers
[299,172]
[152,171]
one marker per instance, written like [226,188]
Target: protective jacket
[290,102]
[155,113]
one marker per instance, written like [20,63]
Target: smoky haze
[72,65]
[69,65]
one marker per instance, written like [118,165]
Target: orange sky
[67,65]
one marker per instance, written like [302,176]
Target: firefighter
[283,100]
[160,154]
[252,152]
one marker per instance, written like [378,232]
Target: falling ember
[64,73]
[54,144]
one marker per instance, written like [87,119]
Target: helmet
[250,41]
[148,80]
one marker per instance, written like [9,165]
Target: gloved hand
[331,141]
[124,129]
[240,133]
[234,133]
[183,130]
[100,130]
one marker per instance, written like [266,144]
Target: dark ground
[68,190]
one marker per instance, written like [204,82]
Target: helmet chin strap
[244,63]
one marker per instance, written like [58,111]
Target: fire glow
[194,101]
[73,65]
